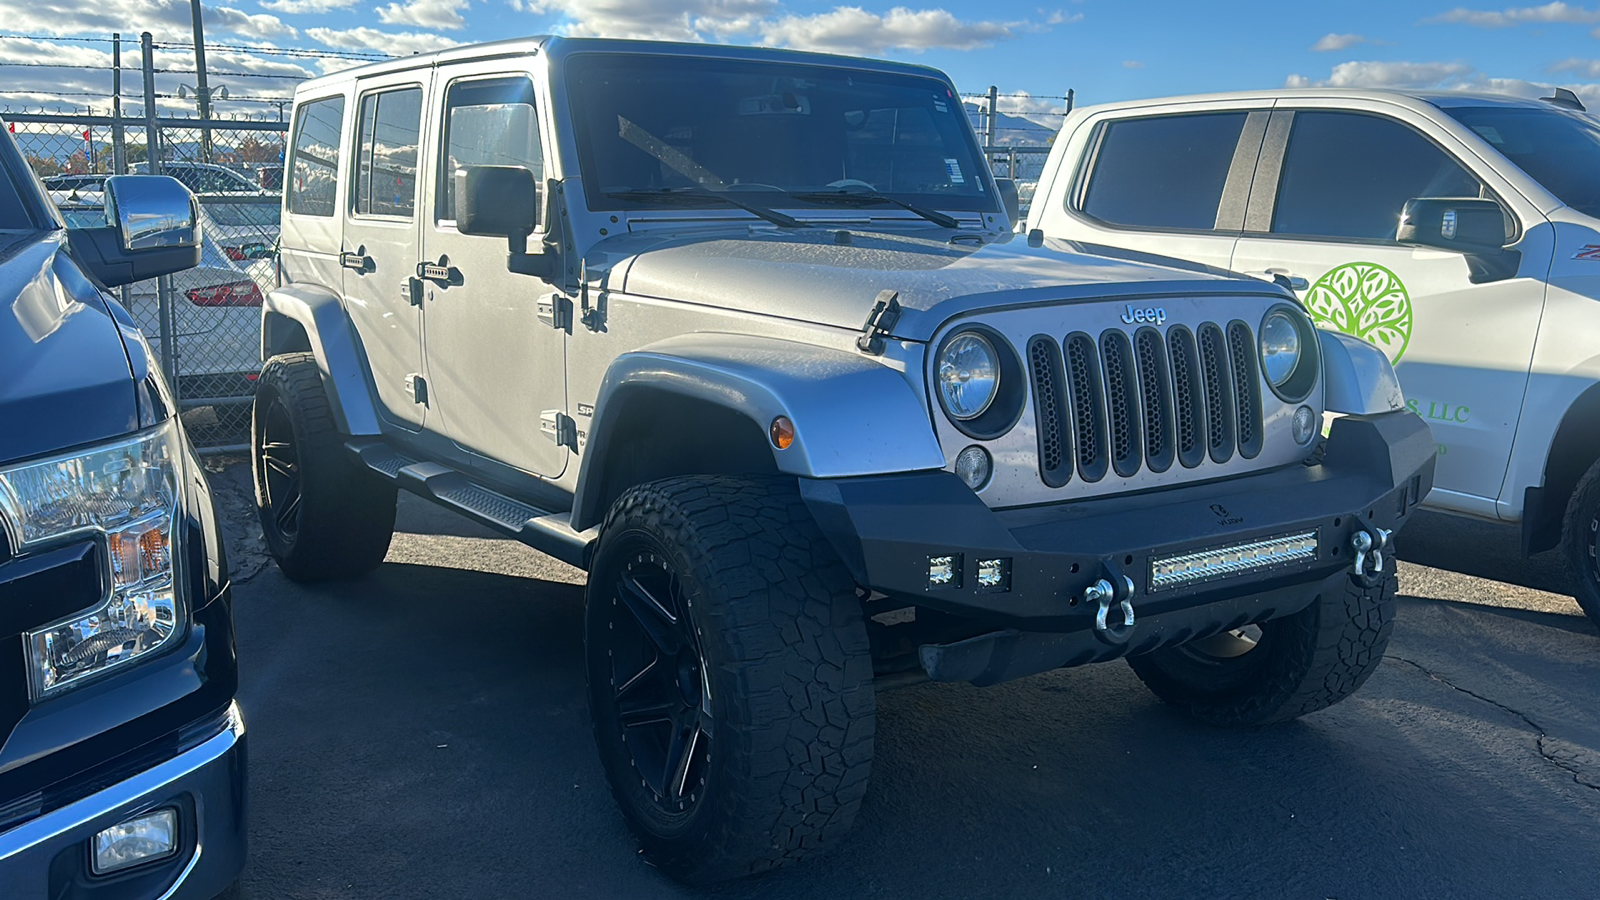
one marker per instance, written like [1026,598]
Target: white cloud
[1588,68]
[363,38]
[425,13]
[1132,64]
[851,29]
[302,7]
[843,29]
[1386,75]
[244,24]
[1550,13]
[673,20]
[1450,77]
[1329,43]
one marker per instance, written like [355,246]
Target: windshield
[1557,148]
[765,130]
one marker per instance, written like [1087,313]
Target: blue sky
[1104,50]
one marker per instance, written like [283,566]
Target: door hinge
[411,291]
[555,310]
[417,388]
[559,428]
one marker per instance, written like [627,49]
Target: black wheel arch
[1574,449]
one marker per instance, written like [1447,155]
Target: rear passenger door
[379,251]
[1329,194]
[1173,182]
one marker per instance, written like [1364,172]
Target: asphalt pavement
[422,732]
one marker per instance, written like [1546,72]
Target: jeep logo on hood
[1154,315]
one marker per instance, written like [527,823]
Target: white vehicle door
[1170,181]
[379,250]
[1329,191]
[494,367]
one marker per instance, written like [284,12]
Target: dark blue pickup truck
[122,754]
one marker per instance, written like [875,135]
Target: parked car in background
[746,334]
[1458,232]
[122,756]
[216,324]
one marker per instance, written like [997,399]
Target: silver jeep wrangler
[745,334]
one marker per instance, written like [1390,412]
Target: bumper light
[944,572]
[994,575]
[1175,571]
[148,838]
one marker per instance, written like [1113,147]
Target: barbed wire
[267,50]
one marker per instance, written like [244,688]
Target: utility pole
[202,91]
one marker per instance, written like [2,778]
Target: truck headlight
[969,375]
[1290,360]
[126,493]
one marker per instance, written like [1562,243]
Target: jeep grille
[1120,405]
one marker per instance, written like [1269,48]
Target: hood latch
[885,313]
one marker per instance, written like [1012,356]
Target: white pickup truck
[1458,232]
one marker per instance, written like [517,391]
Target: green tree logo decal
[1367,301]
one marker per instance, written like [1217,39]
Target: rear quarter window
[1166,172]
[314,157]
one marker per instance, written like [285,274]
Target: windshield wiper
[693,195]
[863,197]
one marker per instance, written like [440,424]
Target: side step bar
[545,531]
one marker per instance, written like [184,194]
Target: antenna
[1564,97]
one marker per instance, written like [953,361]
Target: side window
[386,153]
[1165,172]
[488,122]
[314,159]
[1347,175]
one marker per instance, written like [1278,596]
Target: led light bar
[1175,571]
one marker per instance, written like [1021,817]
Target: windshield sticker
[939,106]
[1589,251]
[1367,301]
[953,166]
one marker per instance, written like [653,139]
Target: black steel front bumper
[1374,470]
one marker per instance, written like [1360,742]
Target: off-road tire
[1302,662]
[345,515]
[1580,534]
[780,631]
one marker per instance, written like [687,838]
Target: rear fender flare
[296,315]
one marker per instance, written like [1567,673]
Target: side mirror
[1468,225]
[1009,199]
[499,201]
[153,228]
[503,201]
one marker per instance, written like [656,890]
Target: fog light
[994,575]
[944,572]
[973,467]
[1304,427]
[148,838]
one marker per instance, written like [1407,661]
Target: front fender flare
[1359,378]
[334,343]
[852,414]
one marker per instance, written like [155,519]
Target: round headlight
[969,375]
[1280,348]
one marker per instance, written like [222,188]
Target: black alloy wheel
[660,684]
[279,462]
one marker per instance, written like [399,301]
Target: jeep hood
[813,275]
[65,379]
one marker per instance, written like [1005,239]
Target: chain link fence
[203,323]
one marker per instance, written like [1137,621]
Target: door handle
[440,273]
[358,260]
[1292,282]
